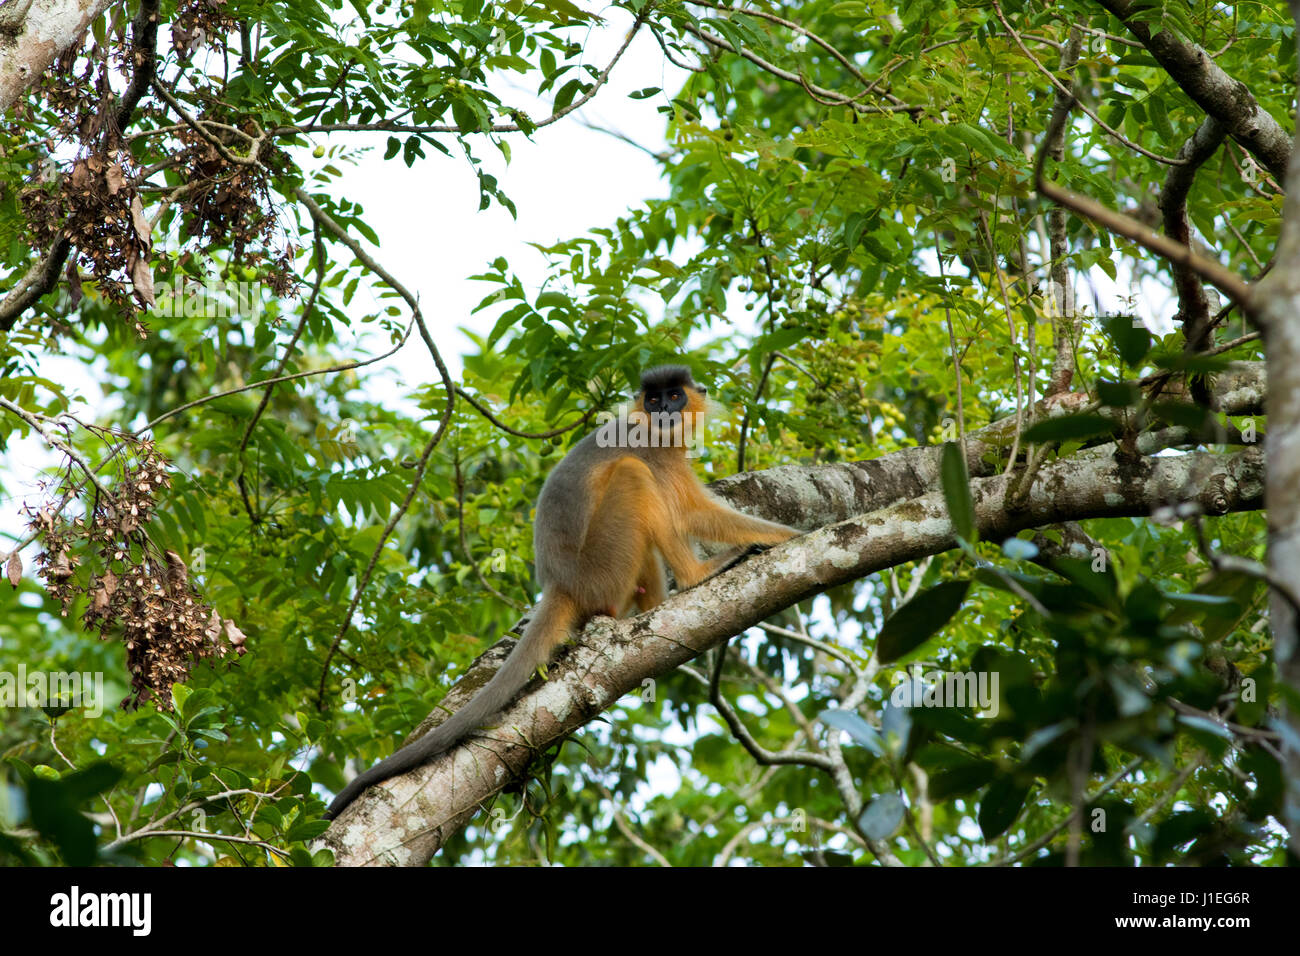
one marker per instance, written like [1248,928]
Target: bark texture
[27,48]
[405,821]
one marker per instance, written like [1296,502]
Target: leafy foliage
[850,241]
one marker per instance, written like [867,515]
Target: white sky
[567,180]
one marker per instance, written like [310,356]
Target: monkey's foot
[742,555]
[745,555]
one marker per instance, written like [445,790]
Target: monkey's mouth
[666,421]
[680,429]
[662,428]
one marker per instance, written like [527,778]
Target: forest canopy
[999,302]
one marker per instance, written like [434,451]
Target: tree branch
[1279,295]
[1225,279]
[47,29]
[1193,306]
[39,280]
[406,820]
[1226,99]
[1064,318]
[144,54]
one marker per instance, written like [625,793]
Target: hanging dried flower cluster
[98,209]
[94,201]
[231,204]
[165,624]
[198,23]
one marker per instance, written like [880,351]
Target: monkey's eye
[675,395]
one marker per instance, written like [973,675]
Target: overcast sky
[567,180]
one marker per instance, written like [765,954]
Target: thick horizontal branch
[405,821]
[812,497]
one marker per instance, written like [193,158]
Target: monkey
[620,504]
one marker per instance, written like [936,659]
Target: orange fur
[609,517]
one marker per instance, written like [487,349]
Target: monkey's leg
[651,588]
[631,515]
[728,559]
[688,570]
[615,554]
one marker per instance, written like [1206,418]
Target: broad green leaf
[919,619]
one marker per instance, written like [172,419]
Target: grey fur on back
[559,531]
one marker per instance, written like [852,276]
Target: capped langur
[622,502]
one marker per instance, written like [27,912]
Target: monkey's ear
[702,390]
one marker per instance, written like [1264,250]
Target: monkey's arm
[709,519]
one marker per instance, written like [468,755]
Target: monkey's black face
[669,401]
[672,400]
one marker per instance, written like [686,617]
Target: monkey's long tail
[554,617]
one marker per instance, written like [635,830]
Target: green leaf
[956,490]
[1129,336]
[1205,725]
[1119,394]
[883,816]
[855,223]
[1145,604]
[1216,605]
[553,300]
[1159,118]
[306,830]
[965,778]
[1041,738]
[1001,804]
[1236,590]
[919,619]
[180,694]
[1069,428]
[776,341]
[857,728]
[56,810]
[567,94]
